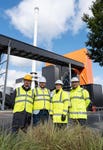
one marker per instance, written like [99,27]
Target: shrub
[46,137]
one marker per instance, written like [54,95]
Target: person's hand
[63,117]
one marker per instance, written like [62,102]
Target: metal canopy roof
[25,50]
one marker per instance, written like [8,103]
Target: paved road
[95,120]
[5,119]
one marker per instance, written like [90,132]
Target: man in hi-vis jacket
[80,100]
[22,105]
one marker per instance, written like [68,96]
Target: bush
[46,137]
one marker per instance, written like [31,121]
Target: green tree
[95,34]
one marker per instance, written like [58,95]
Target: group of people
[43,104]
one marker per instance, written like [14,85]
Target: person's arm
[66,102]
[66,105]
[87,98]
[51,105]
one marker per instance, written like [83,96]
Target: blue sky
[60,28]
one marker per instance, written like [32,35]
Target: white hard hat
[74,79]
[59,82]
[42,79]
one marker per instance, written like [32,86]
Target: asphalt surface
[5,119]
[95,120]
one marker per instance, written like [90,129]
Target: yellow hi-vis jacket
[59,105]
[23,100]
[80,100]
[41,99]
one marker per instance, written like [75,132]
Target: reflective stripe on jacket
[41,99]
[59,105]
[23,100]
[80,100]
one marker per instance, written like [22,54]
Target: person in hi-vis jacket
[60,103]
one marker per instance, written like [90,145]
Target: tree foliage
[95,34]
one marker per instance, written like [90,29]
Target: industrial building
[59,67]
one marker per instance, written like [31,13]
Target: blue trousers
[41,117]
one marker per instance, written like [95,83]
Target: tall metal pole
[70,74]
[36,11]
[6,74]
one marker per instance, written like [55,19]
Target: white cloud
[21,67]
[98,80]
[81,7]
[55,17]
[22,62]
[12,76]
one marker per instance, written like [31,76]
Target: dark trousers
[41,117]
[21,120]
[81,122]
[60,125]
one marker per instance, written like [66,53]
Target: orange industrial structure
[86,75]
